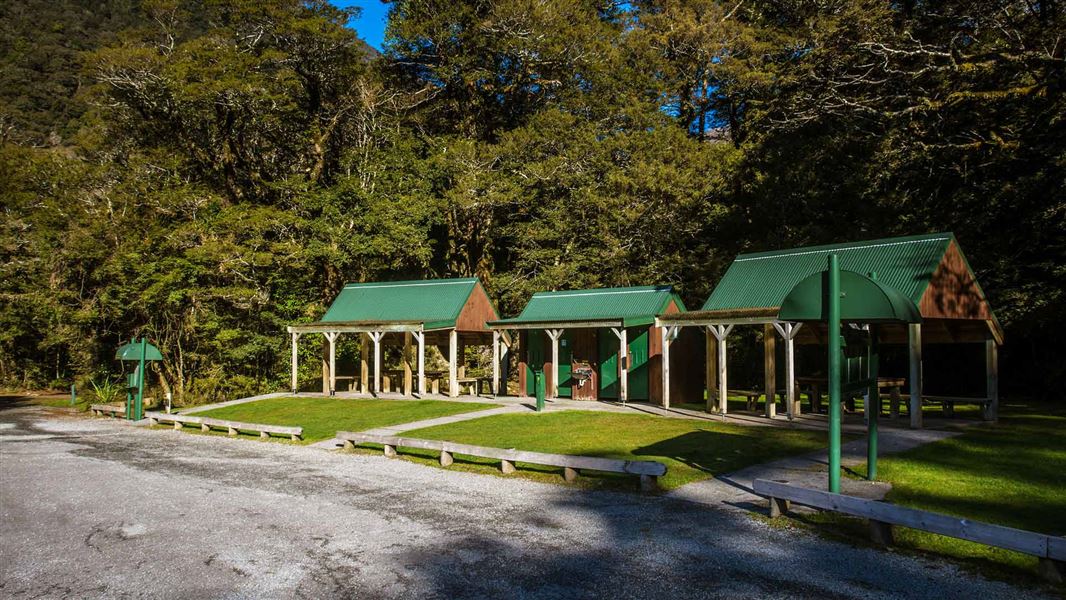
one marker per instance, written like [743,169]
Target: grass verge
[691,450]
[322,418]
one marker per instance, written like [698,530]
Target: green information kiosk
[140,352]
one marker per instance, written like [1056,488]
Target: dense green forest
[205,172]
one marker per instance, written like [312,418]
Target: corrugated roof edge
[946,236]
[611,290]
[444,281]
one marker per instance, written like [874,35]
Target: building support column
[669,334]
[364,363]
[295,359]
[711,368]
[720,332]
[991,410]
[420,337]
[505,363]
[453,361]
[769,339]
[495,362]
[555,334]
[623,363]
[788,332]
[331,337]
[375,336]
[914,331]
[408,388]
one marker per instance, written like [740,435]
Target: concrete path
[734,490]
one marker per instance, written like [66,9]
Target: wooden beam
[295,358]
[364,363]
[788,332]
[408,388]
[623,363]
[991,410]
[453,357]
[721,332]
[331,337]
[325,365]
[555,334]
[669,334]
[495,363]
[711,368]
[421,339]
[770,369]
[375,336]
[914,331]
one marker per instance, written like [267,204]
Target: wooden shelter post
[991,410]
[375,336]
[364,362]
[331,337]
[669,334]
[788,332]
[504,362]
[711,366]
[408,388]
[720,333]
[295,358]
[914,331]
[623,363]
[495,362]
[420,337]
[325,365]
[453,369]
[769,339]
[555,334]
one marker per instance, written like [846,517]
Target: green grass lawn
[1012,473]
[692,450]
[321,418]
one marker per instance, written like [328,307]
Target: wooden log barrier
[648,471]
[1049,549]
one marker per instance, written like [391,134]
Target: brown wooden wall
[476,311]
[953,292]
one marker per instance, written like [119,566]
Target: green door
[607,343]
[534,357]
[638,363]
[565,360]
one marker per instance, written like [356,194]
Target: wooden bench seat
[948,403]
[232,427]
[110,409]
[648,471]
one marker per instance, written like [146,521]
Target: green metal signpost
[539,388]
[834,297]
[141,352]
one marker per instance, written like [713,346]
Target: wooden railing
[1050,549]
[232,427]
[648,471]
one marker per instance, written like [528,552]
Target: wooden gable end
[476,311]
[953,292]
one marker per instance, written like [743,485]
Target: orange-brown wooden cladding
[477,310]
[953,292]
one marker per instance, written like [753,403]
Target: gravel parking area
[100,508]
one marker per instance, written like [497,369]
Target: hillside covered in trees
[205,172]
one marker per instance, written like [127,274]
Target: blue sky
[371,24]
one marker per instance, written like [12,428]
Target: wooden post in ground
[914,331]
[420,337]
[408,388]
[325,364]
[453,358]
[495,362]
[770,369]
[720,333]
[623,363]
[991,410]
[364,362]
[375,336]
[555,334]
[788,332]
[669,333]
[295,358]
[331,337]
[711,367]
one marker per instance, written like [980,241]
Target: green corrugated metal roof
[764,279]
[434,302]
[631,305]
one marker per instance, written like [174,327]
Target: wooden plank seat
[648,471]
[232,427]
[1050,549]
[108,409]
[469,382]
[948,403]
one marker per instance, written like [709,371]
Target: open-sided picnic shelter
[600,344]
[928,270]
[447,313]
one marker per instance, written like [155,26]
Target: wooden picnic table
[817,383]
